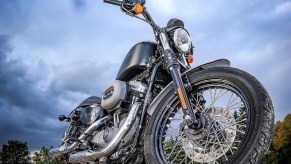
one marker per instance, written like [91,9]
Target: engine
[102,123]
[116,100]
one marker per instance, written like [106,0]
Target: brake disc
[217,140]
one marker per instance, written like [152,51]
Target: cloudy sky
[54,54]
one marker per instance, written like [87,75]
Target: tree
[42,157]
[15,152]
[280,149]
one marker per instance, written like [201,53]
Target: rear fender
[169,88]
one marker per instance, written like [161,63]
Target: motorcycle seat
[90,101]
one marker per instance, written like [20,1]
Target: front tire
[234,133]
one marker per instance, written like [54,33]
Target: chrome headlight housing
[182,40]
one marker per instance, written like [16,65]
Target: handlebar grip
[113,2]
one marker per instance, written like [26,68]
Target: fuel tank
[136,60]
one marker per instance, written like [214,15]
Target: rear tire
[259,121]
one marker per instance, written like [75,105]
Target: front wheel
[236,121]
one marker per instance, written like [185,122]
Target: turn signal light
[190,58]
[138,9]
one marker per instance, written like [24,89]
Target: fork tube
[173,66]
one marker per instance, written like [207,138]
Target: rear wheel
[236,115]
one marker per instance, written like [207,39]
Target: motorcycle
[160,110]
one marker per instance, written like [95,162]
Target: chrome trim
[54,153]
[185,63]
[164,41]
[138,86]
[86,156]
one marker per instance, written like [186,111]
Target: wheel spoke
[214,100]
[175,129]
[231,101]
[184,159]
[218,104]
[176,144]
[220,144]
[197,102]
[231,107]
[177,154]
[225,140]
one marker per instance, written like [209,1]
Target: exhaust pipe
[54,153]
[86,156]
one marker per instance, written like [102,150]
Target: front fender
[169,88]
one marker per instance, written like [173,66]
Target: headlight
[182,40]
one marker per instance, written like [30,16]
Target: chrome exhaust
[86,156]
[54,153]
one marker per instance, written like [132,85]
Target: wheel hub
[201,130]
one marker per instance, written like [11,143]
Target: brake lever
[126,10]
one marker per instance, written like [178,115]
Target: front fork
[173,66]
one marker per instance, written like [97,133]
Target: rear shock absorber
[74,120]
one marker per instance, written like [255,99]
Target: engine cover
[113,93]
[104,137]
[119,91]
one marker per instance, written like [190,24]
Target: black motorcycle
[160,110]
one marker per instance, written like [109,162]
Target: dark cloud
[14,15]
[30,113]
[25,111]
[4,47]
[79,5]
[87,77]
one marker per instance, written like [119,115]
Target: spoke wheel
[235,122]
[225,111]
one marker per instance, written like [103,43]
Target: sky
[54,54]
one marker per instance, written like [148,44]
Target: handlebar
[134,7]
[113,2]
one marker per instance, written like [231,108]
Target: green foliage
[174,148]
[280,149]
[15,152]
[41,157]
